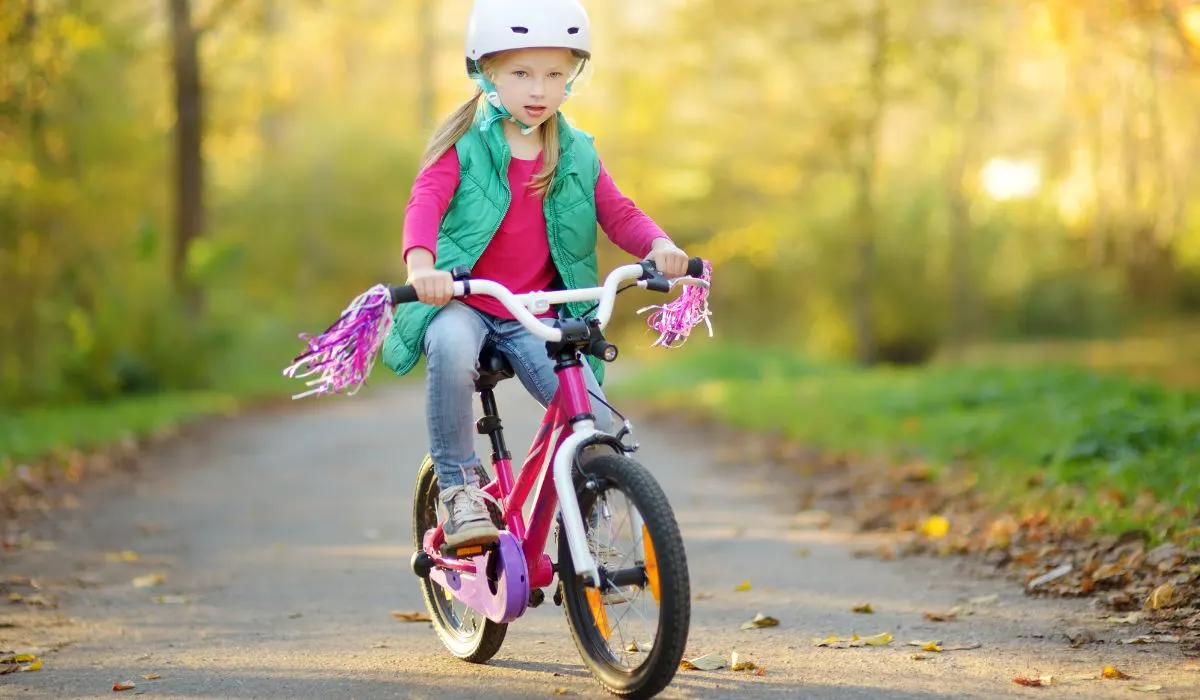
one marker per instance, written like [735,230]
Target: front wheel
[632,631]
[466,633]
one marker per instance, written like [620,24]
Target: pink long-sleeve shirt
[519,254]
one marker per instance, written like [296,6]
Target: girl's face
[532,83]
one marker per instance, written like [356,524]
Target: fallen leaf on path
[18,659]
[1049,576]
[1152,639]
[928,645]
[150,580]
[935,527]
[561,691]
[1148,688]
[126,555]
[802,552]
[1130,619]
[984,599]
[634,647]
[151,676]
[15,663]
[941,617]
[37,600]
[172,599]
[878,640]
[411,616]
[918,657]
[1162,597]
[743,586]
[865,608]
[759,622]
[1039,682]
[123,685]
[1113,673]
[708,662]
[736,664]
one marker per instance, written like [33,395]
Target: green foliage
[1077,303]
[1014,425]
[312,142]
[36,432]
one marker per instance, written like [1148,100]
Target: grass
[37,433]
[1127,452]
[1166,352]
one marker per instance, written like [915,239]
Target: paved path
[289,535]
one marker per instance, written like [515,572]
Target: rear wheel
[466,633]
[632,631]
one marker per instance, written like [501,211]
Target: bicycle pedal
[467,550]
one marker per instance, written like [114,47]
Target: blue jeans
[452,345]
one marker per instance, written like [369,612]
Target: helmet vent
[573,30]
[520,30]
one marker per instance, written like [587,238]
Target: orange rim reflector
[596,605]
[651,565]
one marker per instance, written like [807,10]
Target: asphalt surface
[284,538]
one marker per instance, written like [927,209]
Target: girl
[510,189]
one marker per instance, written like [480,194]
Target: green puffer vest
[476,210]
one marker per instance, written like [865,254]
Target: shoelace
[472,502]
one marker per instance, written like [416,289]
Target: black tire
[621,473]
[476,643]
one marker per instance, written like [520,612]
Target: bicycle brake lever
[626,429]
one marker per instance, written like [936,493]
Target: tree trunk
[189,157]
[962,295]
[865,222]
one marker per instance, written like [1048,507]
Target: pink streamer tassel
[343,355]
[674,321]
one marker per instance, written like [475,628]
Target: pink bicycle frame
[571,399]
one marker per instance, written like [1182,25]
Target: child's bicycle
[620,560]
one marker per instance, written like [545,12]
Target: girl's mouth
[535,111]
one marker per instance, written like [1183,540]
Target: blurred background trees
[187,184]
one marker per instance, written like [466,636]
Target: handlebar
[524,306]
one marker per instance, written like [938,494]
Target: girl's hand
[669,258]
[434,287]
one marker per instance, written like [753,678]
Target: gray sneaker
[469,521]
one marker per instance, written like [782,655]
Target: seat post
[490,424]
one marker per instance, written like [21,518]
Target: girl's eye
[556,75]
[520,73]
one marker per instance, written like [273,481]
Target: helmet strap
[498,111]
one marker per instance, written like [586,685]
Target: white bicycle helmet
[503,25]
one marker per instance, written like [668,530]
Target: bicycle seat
[493,368]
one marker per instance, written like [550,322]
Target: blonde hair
[461,120]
